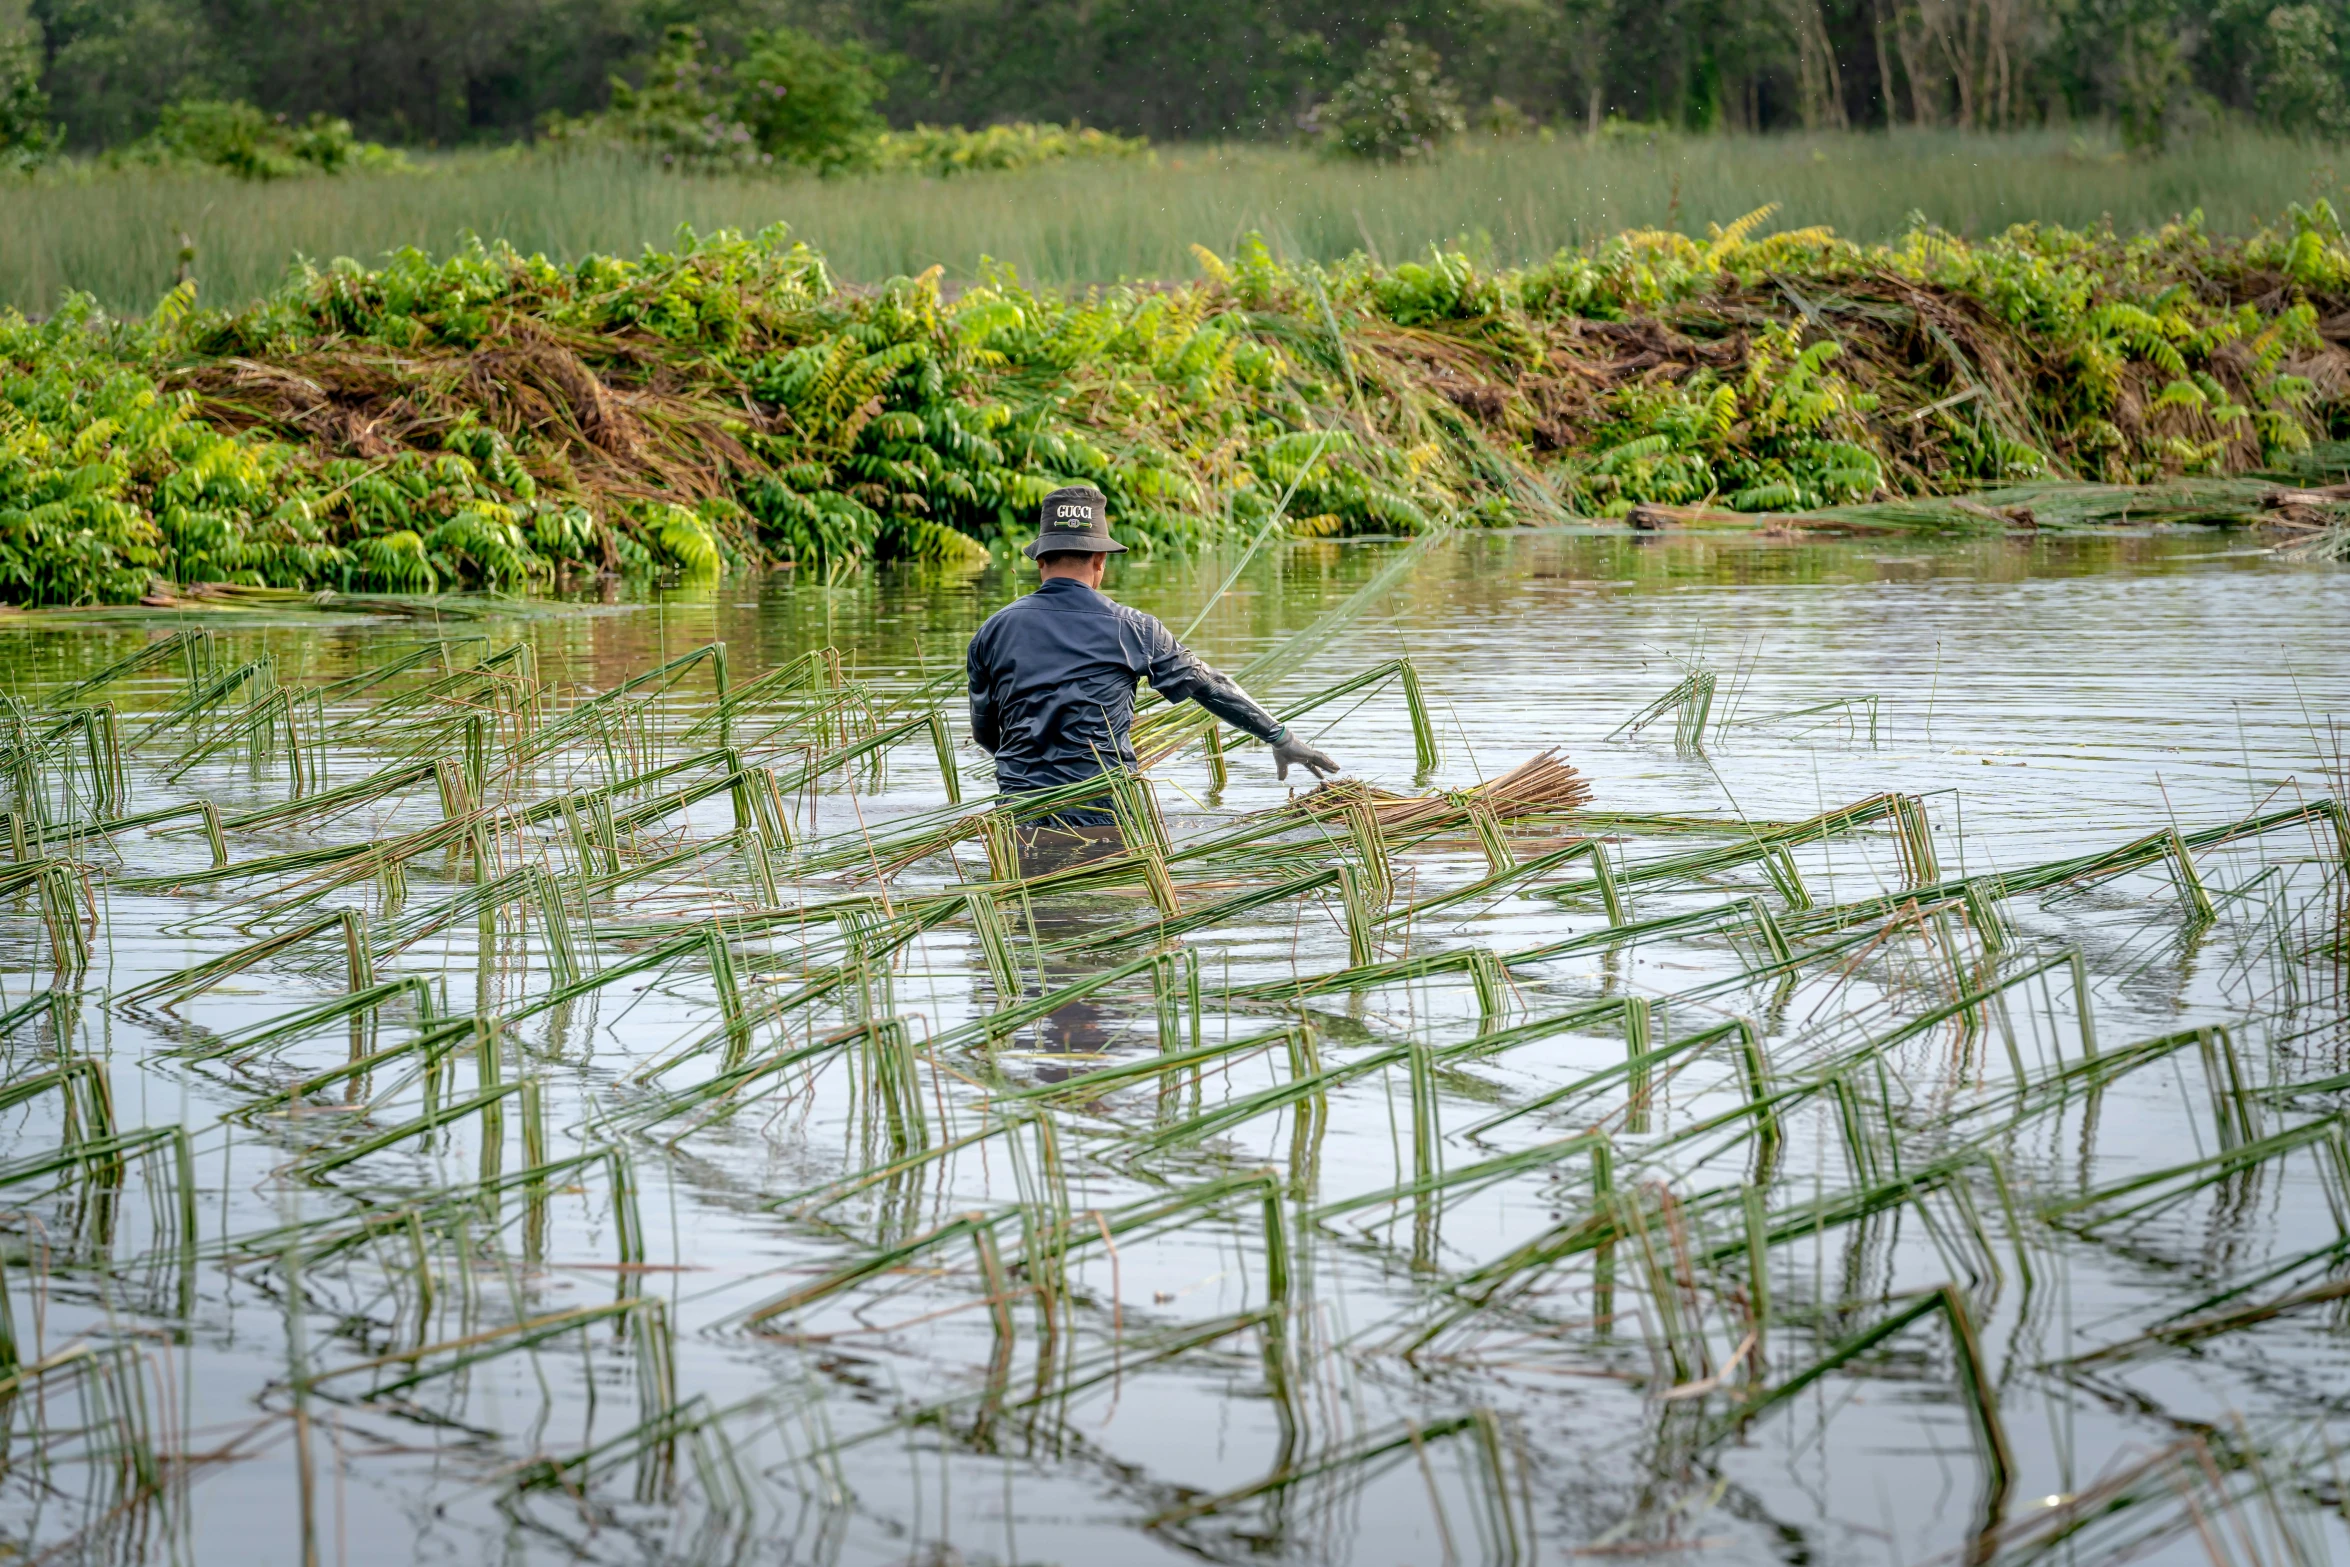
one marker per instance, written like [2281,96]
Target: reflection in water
[1044,850]
[1083,1026]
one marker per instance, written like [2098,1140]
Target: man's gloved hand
[1289,751]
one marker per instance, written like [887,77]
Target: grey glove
[1289,751]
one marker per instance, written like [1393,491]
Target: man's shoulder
[1141,620]
[983,641]
[997,618]
[1019,609]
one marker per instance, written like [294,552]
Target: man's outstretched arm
[1179,674]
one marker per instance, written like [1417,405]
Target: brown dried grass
[1542,785]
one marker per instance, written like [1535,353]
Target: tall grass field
[123,237]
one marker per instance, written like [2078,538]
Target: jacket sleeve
[1179,675]
[986,727]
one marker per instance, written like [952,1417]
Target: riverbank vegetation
[496,418]
[127,237]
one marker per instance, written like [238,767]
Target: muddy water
[2043,699]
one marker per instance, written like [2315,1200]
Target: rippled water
[2044,699]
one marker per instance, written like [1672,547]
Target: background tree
[26,130]
[2301,85]
[449,71]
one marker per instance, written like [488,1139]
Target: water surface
[311,1385]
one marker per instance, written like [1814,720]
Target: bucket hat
[1076,518]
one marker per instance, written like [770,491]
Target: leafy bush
[790,99]
[255,145]
[1396,108]
[944,150]
[805,101]
[793,101]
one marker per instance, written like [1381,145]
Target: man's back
[1053,677]
[1053,674]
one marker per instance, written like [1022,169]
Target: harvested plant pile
[357,1020]
[498,419]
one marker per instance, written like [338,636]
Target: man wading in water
[1053,674]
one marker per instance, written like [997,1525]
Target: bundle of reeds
[1542,785]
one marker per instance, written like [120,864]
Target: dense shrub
[790,99]
[944,150]
[805,101]
[1396,108]
[251,144]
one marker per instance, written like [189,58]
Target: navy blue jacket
[1053,677]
